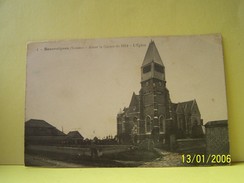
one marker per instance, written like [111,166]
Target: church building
[151,114]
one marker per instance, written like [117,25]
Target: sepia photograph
[127,102]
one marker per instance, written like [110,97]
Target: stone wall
[217,138]
[191,145]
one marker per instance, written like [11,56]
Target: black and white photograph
[127,102]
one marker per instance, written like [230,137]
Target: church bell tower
[155,99]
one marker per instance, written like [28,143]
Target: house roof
[42,128]
[218,123]
[74,134]
[152,55]
[38,123]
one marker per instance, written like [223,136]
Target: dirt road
[167,159]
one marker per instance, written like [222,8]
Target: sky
[82,84]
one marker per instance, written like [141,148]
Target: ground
[168,159]
[112,157]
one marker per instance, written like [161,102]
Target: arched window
[148,124]
[162,123]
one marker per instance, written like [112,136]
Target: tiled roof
[42,128]
[218,123]
[152,54]
[134,104]
[134,100]
[38,123]
[184,107]
[74,134]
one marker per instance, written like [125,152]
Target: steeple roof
[152,54]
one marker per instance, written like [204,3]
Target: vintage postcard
[127,102]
